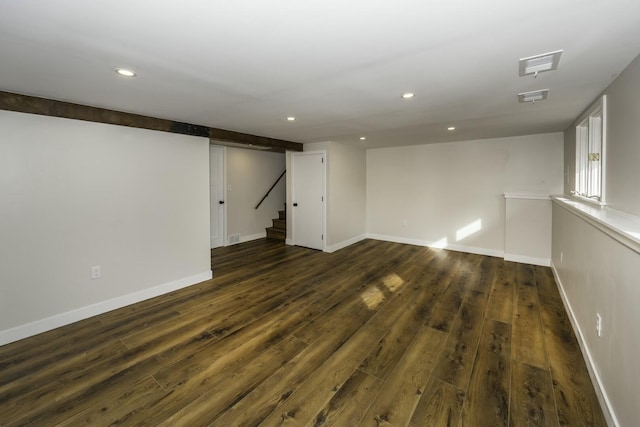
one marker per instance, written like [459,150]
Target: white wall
[451,194]
[250,173]
[600,275]
[346,193]
[347,184]
[623,150]
[77,194]
[597,273]
[623,140]
[528,229]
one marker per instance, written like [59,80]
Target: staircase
[279,229]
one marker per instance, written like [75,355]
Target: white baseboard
[437,245]
[248,238]
[476,250]
[62,319]
[251,237]
[288,242]
[545,262]
[601,393]
[345,243]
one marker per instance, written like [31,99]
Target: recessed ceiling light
[533,96]
[362,138]
[125,72]
[408,95]
[540,63]
[451,128]
[291,119]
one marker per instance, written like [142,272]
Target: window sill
[621,226]
[588,200]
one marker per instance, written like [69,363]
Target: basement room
[319,213]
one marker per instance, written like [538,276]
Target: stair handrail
[272,187]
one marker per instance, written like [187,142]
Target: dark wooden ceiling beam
[49,107]
[245,138]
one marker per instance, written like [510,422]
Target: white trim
[598,104]
[603,149]
[526,196]
[476,250]
[222,239]
[545,262]
[588,200]
[288,241]
[620,226]
[416,242]
[601,393]
[225,207]
[62,319]
[396,239]
[345,243]
[251,237]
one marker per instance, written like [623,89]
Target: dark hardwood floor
[377,334]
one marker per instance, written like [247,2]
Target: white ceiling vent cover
[533,96]
[540,63]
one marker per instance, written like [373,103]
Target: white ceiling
[338,66]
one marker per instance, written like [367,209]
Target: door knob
[295,204]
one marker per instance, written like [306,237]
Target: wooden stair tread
[278,230]
[273,233]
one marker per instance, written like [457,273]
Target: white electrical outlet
[404,222]
[96,272]
[599,324]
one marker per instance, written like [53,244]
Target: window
[590,150]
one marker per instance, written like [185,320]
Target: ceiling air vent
[533,96]
[540,63]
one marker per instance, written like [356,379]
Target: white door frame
[324,190]
[222,194]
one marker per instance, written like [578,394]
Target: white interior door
[217,195]
[308,191]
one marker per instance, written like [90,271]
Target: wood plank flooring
[377,334]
